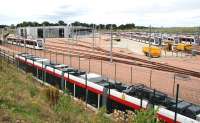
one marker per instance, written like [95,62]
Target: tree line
[76,23]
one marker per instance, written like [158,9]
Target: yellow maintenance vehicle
[152,51]
[184,47]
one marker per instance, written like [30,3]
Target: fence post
[8,57]
[56,57]
[62,81]
[115,73]
[31,50]
[13,58]
[63,59]
[4,53]
[74,91]
[174,84]
[44,53]
[131,74]
[35,51]
[98,104]
[45,74]
[37,73]
[181,53]
[154,93]
[1,60]
[70,60]
[150,77]
[101,67]
[50,56]
[79,61]
[86,91]
[177,93]
[141,101]
[89,64]
[42,73]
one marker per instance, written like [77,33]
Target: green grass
[170,30]
[23,99]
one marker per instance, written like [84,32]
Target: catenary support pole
[111,44]
[177,93]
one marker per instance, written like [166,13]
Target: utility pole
[150,42]
[111,44]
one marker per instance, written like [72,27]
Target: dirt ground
[162,81]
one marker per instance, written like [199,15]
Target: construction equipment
[184,47]
[152,51]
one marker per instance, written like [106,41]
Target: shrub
[52,95]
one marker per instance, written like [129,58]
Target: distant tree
[76,23]
[34,24]
[102,26]
[141,27]
[61,23]
[108,26]
[12,26]
[127,26]
[46,23]
[3,26]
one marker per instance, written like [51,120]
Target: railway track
[102,54]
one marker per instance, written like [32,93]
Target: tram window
[40,33]
[21,32]
[192,40]
[34,71]
[80,93]
[112,105]
[22,41]
[30,69]
[151,40]
[27,41]
[55,81]
[30,42]
[58,82]
[34,43]
[92,99]
[40,74]
[70,87]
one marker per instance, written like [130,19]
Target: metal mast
[111,44]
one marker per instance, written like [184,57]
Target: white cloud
[140,12]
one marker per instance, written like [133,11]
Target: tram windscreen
[39,42]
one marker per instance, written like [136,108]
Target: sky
[158,13]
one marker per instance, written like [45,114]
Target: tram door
[61,32]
